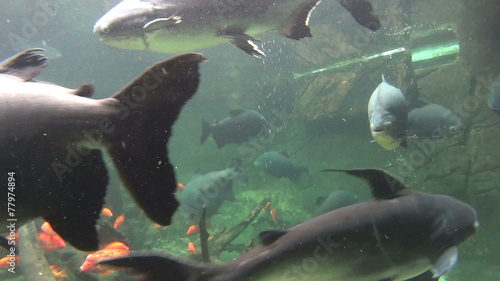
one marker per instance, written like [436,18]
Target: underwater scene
[238,140]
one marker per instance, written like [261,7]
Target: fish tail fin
[153,267]
[148,108]
[206,130]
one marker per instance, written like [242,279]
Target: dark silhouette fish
[396,236]
[280,165]
[170,26]
[52,142]
[238,128]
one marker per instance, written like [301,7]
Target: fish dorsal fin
[25,65]
[85,91]
[382,184]
[236,112]
[270,236]
[298,26]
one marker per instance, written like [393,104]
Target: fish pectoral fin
[85,91]
[161,23]
[243,41]
[25,65]
[445,262]
[248,46]
[298,25]
[270,236]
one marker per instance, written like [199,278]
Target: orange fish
[59,272]
[274,216]
[194,229]
[119,221]
[5,263]
[192,248]
[112,250]
[47,228]
[106,212]
[180,186]
[49,242]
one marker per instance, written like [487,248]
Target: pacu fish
[52,141]
[396,236]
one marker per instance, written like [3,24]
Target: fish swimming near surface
[52,141]
[334,200]
[388,116]
[433,121]
[280,165]
[494,97]
[171,26]
[210,190]
[396,236]
[238,128]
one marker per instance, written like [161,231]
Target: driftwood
[34,265]
[221,240]
[204,235]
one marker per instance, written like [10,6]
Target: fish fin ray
[445,262]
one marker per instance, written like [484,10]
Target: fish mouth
[385,140]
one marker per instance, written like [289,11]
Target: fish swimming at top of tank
[238,128]
[279,164]
[171,26]
[494,97]
[210,190]
[396,236]
[433,121]
[333,201]
[388,116]
[52,141]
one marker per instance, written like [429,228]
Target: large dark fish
[280,165]
[52,142]
[239,127]
[396,236]
[209,190]
[433,121]
[171,26]
[388,116]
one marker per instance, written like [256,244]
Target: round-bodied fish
[388,116]
[433,121]
[209,190]
[335,200]
[279,164]
[238,128]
